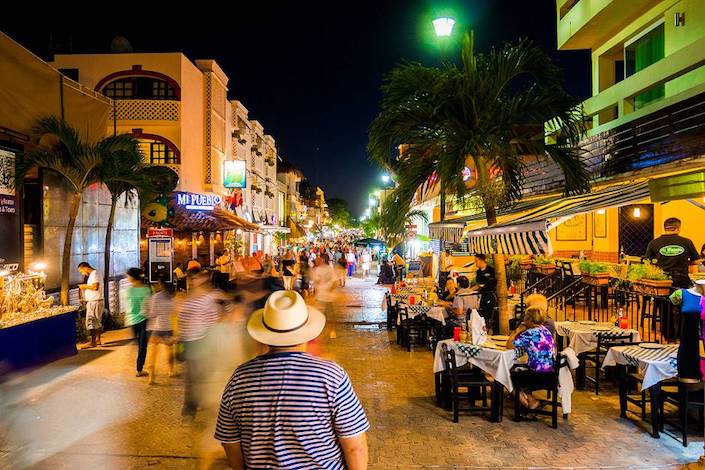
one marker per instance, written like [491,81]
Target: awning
[527,232]
[186,220]
[450,231]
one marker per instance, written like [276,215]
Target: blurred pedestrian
[366,261]
[197,314]
[159,328]
[288,270]
[351,260]
[137,295]
[286,408]
[341,268]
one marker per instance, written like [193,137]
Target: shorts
[94,314]
[162,334]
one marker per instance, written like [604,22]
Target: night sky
[310,73]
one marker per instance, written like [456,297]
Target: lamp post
[443,27]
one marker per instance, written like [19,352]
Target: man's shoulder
[313,364]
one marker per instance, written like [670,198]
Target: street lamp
[443,26]
[386,178]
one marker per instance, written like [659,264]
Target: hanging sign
[234,174]
[198,202]
[159,232]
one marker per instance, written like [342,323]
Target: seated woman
[541,302]
[537,342]
[386,273]
[449,291]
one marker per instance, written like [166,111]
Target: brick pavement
[90,411]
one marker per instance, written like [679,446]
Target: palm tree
[496,109]
[59,148]
[123,173]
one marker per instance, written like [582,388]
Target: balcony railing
[620,96]
[147,110]
[670,134]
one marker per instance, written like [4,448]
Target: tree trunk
[106,258]
[68,242]
[498,259]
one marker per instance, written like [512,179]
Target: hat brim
[309,331]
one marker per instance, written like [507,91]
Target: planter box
[526,265]
[547,269]
[649,287]
[596,279]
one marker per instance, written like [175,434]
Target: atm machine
[160,254]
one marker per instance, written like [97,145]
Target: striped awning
[527,232]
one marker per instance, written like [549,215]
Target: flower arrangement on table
[649,279]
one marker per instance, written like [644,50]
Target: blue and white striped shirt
[287,410]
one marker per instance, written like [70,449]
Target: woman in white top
[366,263]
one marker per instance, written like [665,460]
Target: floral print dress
[538,344]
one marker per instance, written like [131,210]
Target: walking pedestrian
[92,292]
[198,312]
[288,270]
[159,328]
[350,258]
[137,295]
[366,261]
[341,268]
[286,408]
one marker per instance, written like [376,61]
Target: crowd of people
[203,320]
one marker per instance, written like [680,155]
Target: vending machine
[160,254]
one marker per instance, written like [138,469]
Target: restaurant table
[495,362]
[436,313]
[583,337]
[656,365]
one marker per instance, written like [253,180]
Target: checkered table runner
[470,350]
[418,309]
[581,328]
[668,353]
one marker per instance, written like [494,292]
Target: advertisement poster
[10,248]
[234,174]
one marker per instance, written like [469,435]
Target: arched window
[161,154]
[139,88]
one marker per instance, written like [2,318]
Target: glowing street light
[443,26]
[386,178]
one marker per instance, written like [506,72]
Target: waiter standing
[673,253]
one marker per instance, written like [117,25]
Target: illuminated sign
[198,202]
[234,174]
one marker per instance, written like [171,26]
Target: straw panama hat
[285,320]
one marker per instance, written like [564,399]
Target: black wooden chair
[593,359]
[685,396]
[549,382]
[413,331]
[471,379]
[392,312]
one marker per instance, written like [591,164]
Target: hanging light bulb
[601,211]
[637,212]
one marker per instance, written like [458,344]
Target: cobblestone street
[89,411]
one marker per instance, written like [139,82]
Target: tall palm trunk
[497,258]
[68,242]
[108,245]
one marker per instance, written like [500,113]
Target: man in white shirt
[92,292]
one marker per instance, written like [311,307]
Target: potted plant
[515,268]
[545,265]
[595,273]
[649,279]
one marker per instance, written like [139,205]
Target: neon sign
[198,202]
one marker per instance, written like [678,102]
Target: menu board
[11,247]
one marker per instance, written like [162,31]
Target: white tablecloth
[655,364]
[437,313]
[583,338]
[495,362]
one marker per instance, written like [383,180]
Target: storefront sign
[160,232]
[234,174]
[10,229]
[198,202]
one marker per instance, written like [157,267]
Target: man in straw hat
[286,408]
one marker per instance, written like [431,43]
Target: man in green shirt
[136,314]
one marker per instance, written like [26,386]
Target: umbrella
[368,242]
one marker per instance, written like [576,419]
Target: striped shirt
[287,410]
[161,305]
[197,314]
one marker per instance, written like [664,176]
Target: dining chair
[547,382]
[465,384]
[593,359]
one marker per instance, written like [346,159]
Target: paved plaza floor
[90,411]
